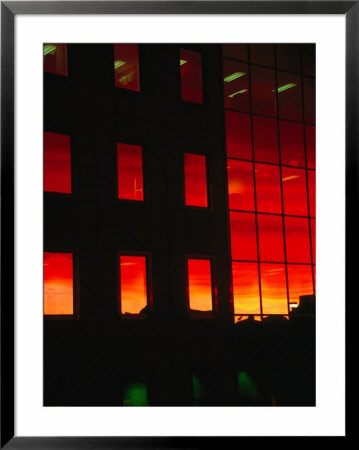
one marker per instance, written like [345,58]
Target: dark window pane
[135,394]
[57,163]
[294,191]
[268,188]
[240,185]
[263,93]
[308,58]
[274,289]
[55,59]
[132,292]
[130,174]
[235,81]
[200,284]
[126,66]
[191,76]
[235,51]
[289,96]
[58,284]
[245,288]
[300,282]
[265,137]
[309,100]
[195,180]
[243,236]
[238,135]
[262,54]
[270,236]
[311,186]
[312,228]
[288,57]
[310,141]
[292,144]
[297,240]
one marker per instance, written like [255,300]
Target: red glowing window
[58,284]
[126,66]
[268,188]
[235,83]
[270,236]
[132,285]
[297,240]
[245,288]
[55,59]
[292,144]
[312,228]
[309,100]
[240,185]
[311,187]
[263,91]
[200,290]
[243,236]
[130,172]
[195,180]
[310,140]
[238,135]
[274,289]
[235,51]
[289,96]
[300,281]
[191,76]
[265,137]
[57,163]
[294,191]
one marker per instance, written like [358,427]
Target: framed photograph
[178,185]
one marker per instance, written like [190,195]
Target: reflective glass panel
[195,178]
[300,281]
[289,96]
[297,240]
[243,236]
[235,82]
[270,236]
[262,54]
[191,76]
[240,185]
[292,143]
[268,188]
[235,51]
[265,137]
[309,100]
[294,191]
[57,163]
[126,66]
[311,186]
[58,283]
[245,288]
[310,141]
[132,293]
[238,135]
[263,93]
[200,284]
[274,289]
[55,59]
[130,172]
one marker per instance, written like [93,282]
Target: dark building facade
[166,211]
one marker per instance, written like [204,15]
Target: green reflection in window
[246,386]
[135,394]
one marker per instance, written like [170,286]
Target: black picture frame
[9,9]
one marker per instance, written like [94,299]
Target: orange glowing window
[270,236]
[292,143]
[132,285]
[191,76]
[58,283]
[311,187]
[274,289]
[243,236]
[126,66]
[310,141]
[57,163]
[268,188]
[240,185]
[246,297]
[195,180]
[312,228]
[297,240]
[55,59]
[130,172]
[238,135]
[294,191]
[265,137]
[200,289]
[300,281]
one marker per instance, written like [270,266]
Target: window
[195,180]
[245,288]
[243,236]
[300,282]
[191,76]
[55,59]
[130,172]
[126,66]
[58,283]
[238,135]
[274,289]
[292,143]
[265,138]
[294,192]
[200,285]
[135,394]
[240,185]
[235,83]
[57,163]
[133,298]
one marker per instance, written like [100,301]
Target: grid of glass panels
[269,101]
